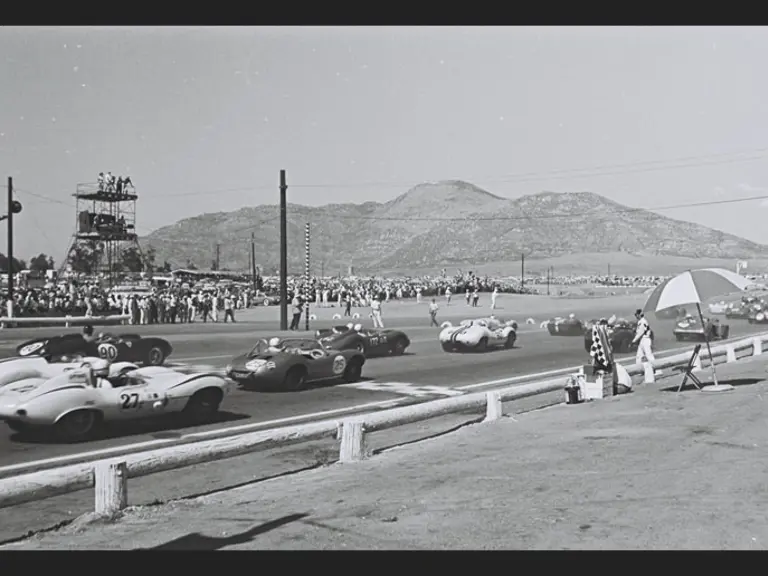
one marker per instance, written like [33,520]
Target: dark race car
[621,334]
[689,328]
[758,315]
[565,326]
[371,342]
[743,308]
[292,363]
[115,348]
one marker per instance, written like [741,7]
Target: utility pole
[609,269]
[283,254]
[253,259]
[10,246]
[522,272]
[549,277]
[218,254]
[307,269]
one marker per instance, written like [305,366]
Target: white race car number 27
[108,351]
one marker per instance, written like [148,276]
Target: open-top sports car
[73,400]
[478,335]
[115,348]
[570,326]
[371,342]
[743,308]
[718,307]
[689,328]
[758,315]
[621,333]
[292,363]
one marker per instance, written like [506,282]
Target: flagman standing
[643,338]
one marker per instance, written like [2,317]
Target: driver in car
[88,333]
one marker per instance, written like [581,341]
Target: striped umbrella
[695,287]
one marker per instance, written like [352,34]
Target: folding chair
[688,371]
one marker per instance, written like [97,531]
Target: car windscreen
[260,348]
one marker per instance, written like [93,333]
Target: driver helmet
[571,316]
[350,326]
[88,330]
[358,327]
[99,367]
[274,342]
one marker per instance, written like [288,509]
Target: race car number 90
[108,351]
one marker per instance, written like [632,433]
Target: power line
[682,162]
[617,210]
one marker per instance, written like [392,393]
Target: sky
[203,119]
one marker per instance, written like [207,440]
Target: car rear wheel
[511,339]
[295,379]
[76,426]
[155,356]
[203,405]
[398,349]
[353,371]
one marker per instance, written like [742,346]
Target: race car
[570,326]
[743,308]
[382,342]
[292,363]
[758,315]
[264,299]
[621,333]
[718,307]
[689,328]
[73,401]
[115,348]
[478,335]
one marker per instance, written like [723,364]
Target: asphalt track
[424,373]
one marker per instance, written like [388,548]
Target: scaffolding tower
[105,223]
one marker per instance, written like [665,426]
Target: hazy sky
[203,119]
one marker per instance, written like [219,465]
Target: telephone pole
[283,254]
[307,287]
[218,254]
[253,259]
[10,246]
[522,272]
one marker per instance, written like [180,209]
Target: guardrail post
[111,486]
[352,441]
[493,406]
[757,346]
[648,373]
[730,353]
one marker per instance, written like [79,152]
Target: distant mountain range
[451,223]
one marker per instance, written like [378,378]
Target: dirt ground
[649,470]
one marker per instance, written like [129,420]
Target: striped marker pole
[307,287]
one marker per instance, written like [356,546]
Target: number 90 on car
[108,351]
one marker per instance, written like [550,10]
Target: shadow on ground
[197,541]
[734,382]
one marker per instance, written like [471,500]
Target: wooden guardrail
[6,322]
[109,477]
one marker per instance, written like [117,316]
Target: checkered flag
[600,351]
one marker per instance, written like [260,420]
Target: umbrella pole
[715,387]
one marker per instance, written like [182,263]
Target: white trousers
[377,323]
[644,350]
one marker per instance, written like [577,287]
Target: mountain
[451,223]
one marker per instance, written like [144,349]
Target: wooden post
[730,353]
[493,407]
[757,346]
[352,441]
[111,486]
